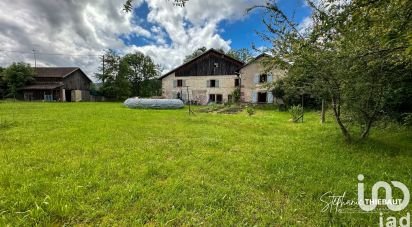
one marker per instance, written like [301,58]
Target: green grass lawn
[101,163]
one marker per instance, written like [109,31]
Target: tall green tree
[141,68]
[16,76]
[133,74]
[114,80]
[2,84]
[122,86]
[357,55]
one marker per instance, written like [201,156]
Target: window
[179,83]
[216,64]
[212,98]
[262,97]
[219,99]
[212,83]
[237,82]
[263,78]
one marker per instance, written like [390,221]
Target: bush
[296,112]
[250,110]
[236,95]
[407,119]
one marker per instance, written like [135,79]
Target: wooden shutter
[174,83]
[183,83]
[254,97]
[208,83]
[216,83]
[270,78]
[256,79]
[270,97]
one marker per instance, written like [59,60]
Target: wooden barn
[69,84]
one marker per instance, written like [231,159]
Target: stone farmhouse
[213,76]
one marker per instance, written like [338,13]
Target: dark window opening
[68,94]
[237,82]
[180,83]
[263,78]
[262,97]
[212,98]
[219,99]
[212,83]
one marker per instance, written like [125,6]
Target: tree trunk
[336,112]
[366,131]
[322,114]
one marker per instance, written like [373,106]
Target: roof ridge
[196,58]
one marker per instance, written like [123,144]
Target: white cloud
[87,27]
[306,25]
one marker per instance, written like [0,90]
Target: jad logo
[392,204]
[342,205]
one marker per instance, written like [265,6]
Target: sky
[75,33]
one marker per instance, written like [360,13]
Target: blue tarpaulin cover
[135,103]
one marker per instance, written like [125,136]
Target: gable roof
[197,58]
[44,86]
[255,59]
[57,72]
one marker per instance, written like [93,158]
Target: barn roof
[44,86]
[56,72]
[198,57]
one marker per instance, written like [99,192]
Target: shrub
[296,112]
[250,110]
[407,119]
[236,95]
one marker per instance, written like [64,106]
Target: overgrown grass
[101,163]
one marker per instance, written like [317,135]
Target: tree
[357,54]
[243,55]
[16,76]
[2,84]
[122,86]
[140,70]
[113,83]
[133,74]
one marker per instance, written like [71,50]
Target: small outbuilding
[69,84]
